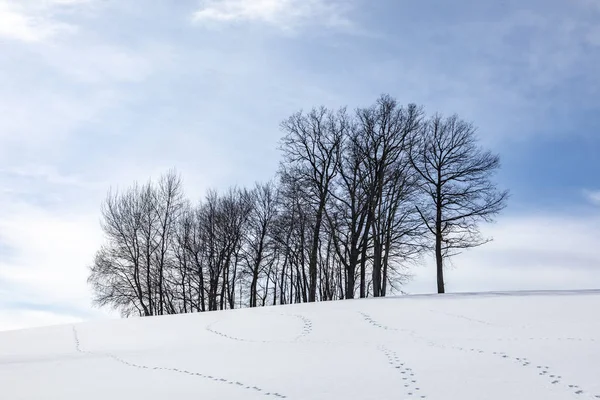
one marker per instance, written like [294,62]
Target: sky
[99,93]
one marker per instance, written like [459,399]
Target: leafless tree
[190,240]
[138,225]
[385,129]
[311,148]
[349,209]
[222,219]
[259,246]
[456,180]
[292,231]
[168,204]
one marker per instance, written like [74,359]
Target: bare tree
[168,203]
[456,180]
[311,149]
[292,231]
[348,213]
[260,250]
[386,128]
[139,226]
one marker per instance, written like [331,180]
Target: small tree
[457,187]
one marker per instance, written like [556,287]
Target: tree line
[358,197]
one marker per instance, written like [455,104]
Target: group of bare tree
[358,197]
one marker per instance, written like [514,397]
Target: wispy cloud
[34,21]
[284,14]
[593,196]
[47,254]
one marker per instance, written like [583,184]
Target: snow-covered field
[542,345]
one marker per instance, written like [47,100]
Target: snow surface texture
[538,345]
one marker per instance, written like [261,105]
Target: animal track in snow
[376,324]
[238,339]
[208,377]
[537,339]
[307,325]
[464,317]
[544,371]
[409,382]
[306,330]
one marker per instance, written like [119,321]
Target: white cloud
[44,263]
[107,64]
[48,253]
[60,89]
[47,173]
[593,196]
[67,2]
[284,14]
[29,21]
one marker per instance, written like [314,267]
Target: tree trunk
[363,273]
[384,277]
[377,250]
[350,279]
[253,287]
[439,263]
[351,268]
[363,260]
[256,268]
[201,285]
[314,251]
[438,243]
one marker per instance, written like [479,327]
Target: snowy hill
[538,345]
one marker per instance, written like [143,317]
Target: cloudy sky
[99,93]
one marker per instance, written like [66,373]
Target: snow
[522,345]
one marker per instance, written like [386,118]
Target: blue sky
[95,93]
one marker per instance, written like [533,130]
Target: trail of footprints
[543,370]
[239,339]
[376,324]
[307,326]
[479,321]
[182,371]
[559,339]
[409,382]
[306,330]
[537,339]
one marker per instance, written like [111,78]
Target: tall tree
[456,180]
[168,204]
[293,236]
[347,215]
[259,246]
[386,128]
[311,148]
